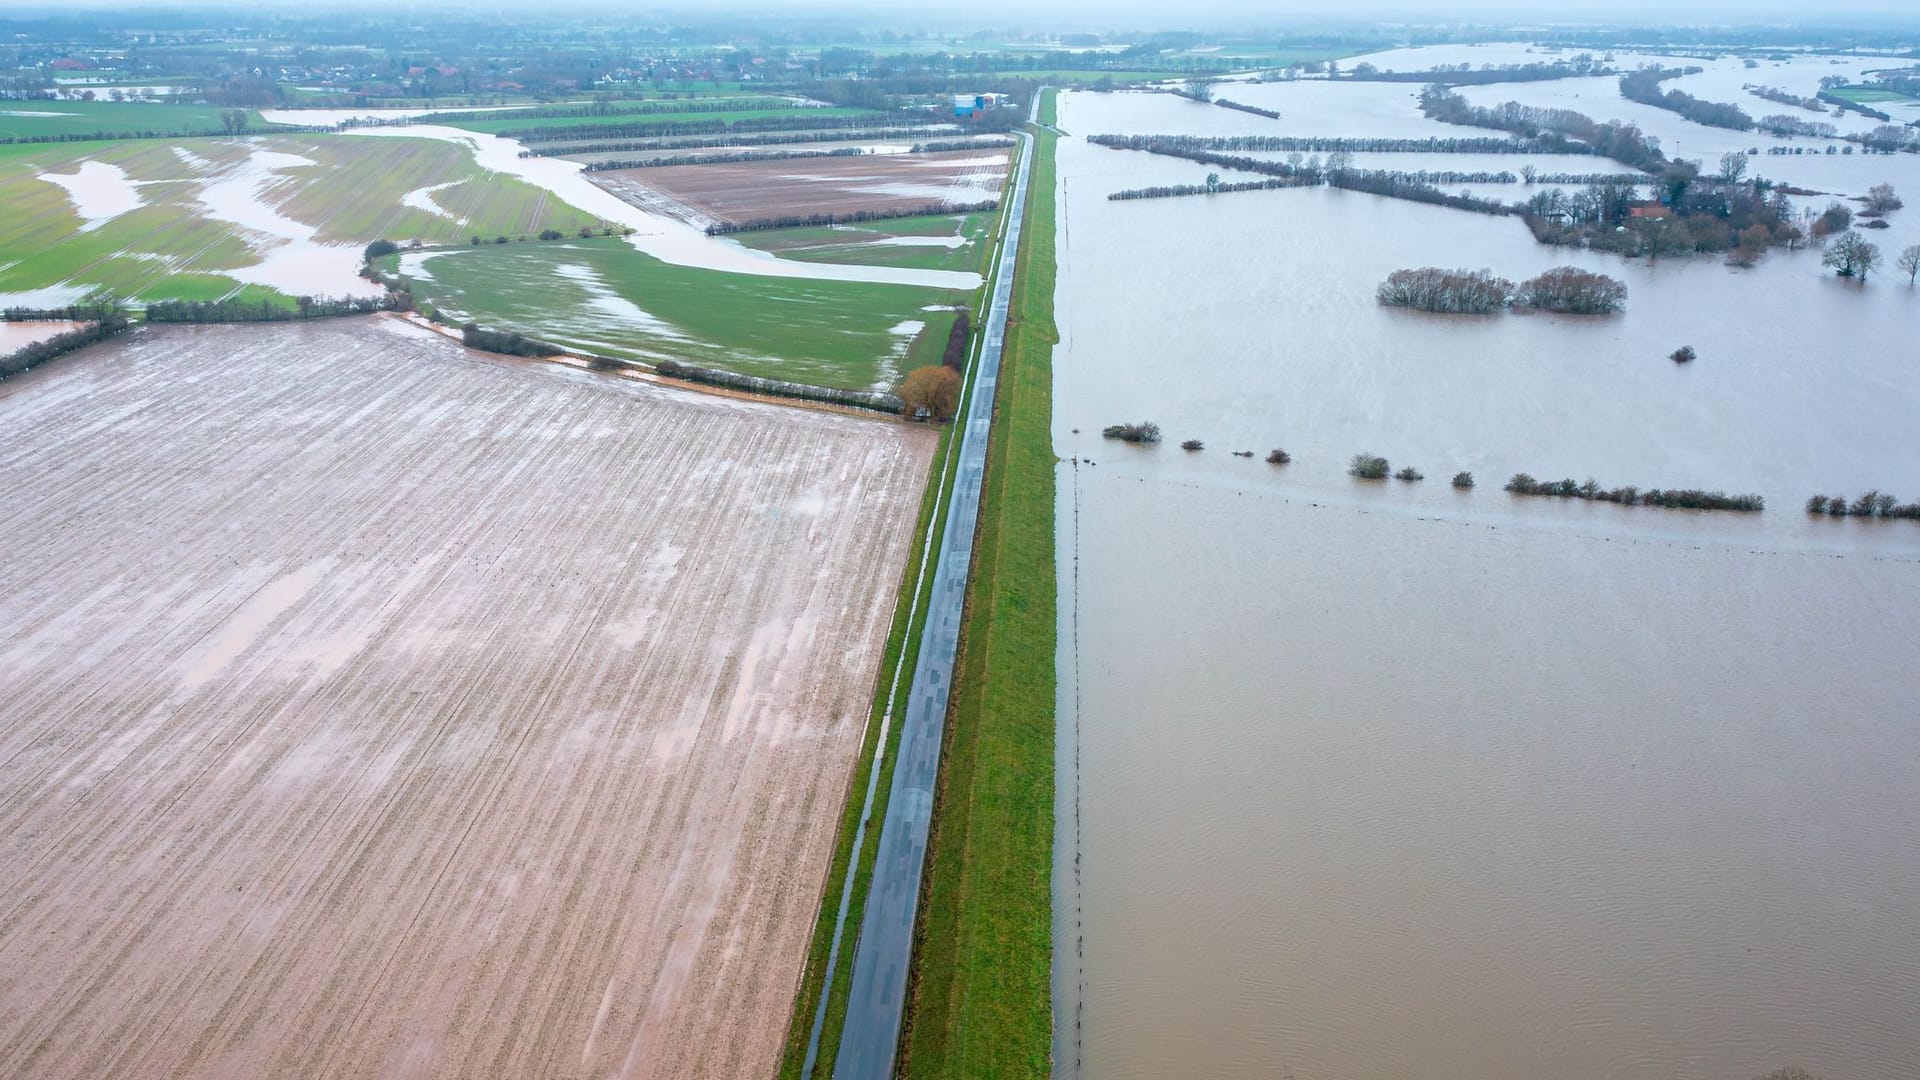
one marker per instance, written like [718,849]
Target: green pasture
[864,244]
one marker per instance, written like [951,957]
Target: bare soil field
[756,190]
[369,707]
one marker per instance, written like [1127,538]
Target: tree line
[107,323]
[1467,75]
[1790,126]
[851,217]
[1162,144]
[1876,503]
[1170,191]
[1782,97]
[1546,130]
[859,399]
[666,128]
[506,342]
[1254,109]
[1674,498]
[629,146]
[604,108]
[235,309]
[1643,86]
[721,159]
[1565,290]
[1847,105]
[1337,172]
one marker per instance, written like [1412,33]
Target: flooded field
[757,190]
[1392,779]
[354,686]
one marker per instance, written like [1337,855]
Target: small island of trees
[1564,289]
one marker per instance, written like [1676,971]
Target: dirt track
[372,709]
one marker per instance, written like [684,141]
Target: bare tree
[1851,255]
[1200,88]
[1909,263]
[1733,166]
[1882,200]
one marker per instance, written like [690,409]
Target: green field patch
[1862,95]
[602,296]
[875,243]
[41,119]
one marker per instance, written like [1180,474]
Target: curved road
[885,946]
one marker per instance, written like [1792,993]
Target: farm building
[967,104]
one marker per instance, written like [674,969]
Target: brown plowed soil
[757,190]
[370,708]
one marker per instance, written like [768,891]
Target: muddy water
[1379,780]
[14,335]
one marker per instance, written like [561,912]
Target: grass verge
[979,1002]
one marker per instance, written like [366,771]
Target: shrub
[1144,432]
[499,239]
[1817,504]
[1193,444]
[1682,355]
[1409,473]
[1571,290]
[378,248]
[1463,480]
[1278,457]
[1453,292]
[934,388]
[1368,467]
[551,234]
[955,355]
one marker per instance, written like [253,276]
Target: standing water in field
[1377,779]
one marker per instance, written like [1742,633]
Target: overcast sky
[1119,14]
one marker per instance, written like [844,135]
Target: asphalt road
[885,947]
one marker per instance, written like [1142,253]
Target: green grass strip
[979,1004]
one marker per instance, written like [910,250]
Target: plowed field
[372,708]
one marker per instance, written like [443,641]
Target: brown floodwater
[1382,780]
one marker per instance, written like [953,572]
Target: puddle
[100,192]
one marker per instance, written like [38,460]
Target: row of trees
[798,120]
[506,342]
[1564,289]
[958,337]
[1468,75]
[1782,97]
[1254,109]
[1338,172]
[1549,129]
[850,217]
[699,142]
[109,322]
[1213,186]
[1880,504]
[753,384]
[605,107]
[1643,86]
[723,159]
[1322,144]
[1787,127]
[1676,498]
[235,309]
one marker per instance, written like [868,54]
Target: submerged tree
[1852,256]
[1909,263]
[1368,467]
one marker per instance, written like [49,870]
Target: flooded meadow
[1365,779]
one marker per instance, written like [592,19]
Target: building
[965,105]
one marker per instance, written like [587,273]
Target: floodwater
[291,260]
[16,335]
[1366,780]
[655,234]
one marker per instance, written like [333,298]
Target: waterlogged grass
[979,1004]
[867,244]
[169,248]
[602,296]
[118,118]
[356,190]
